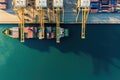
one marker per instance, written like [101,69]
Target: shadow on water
[102,43]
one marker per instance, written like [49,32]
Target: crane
[57,25]
[85,13]
[40,5]
[57,7]
[19,6]
[84,5]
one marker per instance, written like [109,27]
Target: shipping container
[95,5]
[105,2]
[3,6]
[95,0]
[118,8]
[113,2]
[3,1]
[105,9]
[94,10]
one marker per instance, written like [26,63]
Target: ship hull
[35,32]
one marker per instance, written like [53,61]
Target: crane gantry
[19,6]
[41,5]
[84,5]
[57,7]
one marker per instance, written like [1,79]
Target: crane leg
[78,12]
[85,13]
[41,18]
[42,23]
[48,14]
[63,15]
[57,25]
[22,26]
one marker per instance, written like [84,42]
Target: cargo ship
[35,32]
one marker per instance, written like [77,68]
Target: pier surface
[9,17]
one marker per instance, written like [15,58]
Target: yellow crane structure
[40,5]
[57,7]
[41,17]
[78,10]
[49,10]
[84,5]
[31,11]
[57,25]
[22,25]
[85,13]
[19,6]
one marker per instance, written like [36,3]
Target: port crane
[84,5]
[19,6]
[41,5]
[57,7]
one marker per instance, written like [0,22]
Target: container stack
[105,6]
[113,5]
[118,6]
[95,5]
[3,4]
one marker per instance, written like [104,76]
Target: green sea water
[95,58]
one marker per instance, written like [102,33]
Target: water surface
[95,58]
